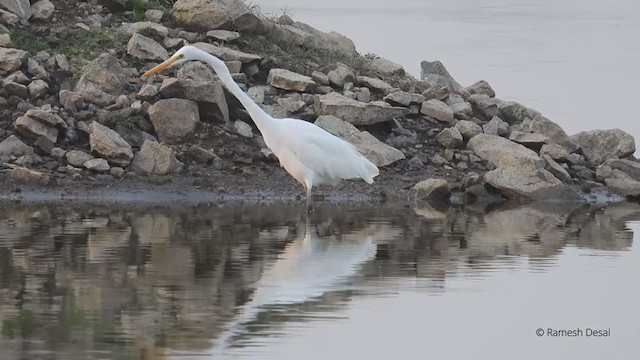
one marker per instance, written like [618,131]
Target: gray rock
[341,75]
[243,129]
[210,15]
[155,158]
[227,54]
[46,117]
[363,95]
[373,149]
[356,112]
[450,138]
[556,169]
[461,109]
[16,89]
[374,84]
[481,87]
[502,152]
[621,176]
[557,135]
[435,72]
[533,141]
[320,77]
[288,80]
[77,158]
[209,95]
[257,94]
[291,105]
[117,172]
[223,35]
[97,165]
[514,112]
[102,80]
[468,129]
[8,18]
[403,98]
[146,28]
[153,15]
[432,189]
[5,40]
[484,106]
[173,43]
[496,127]
[147,92]
[70,100]
[438,92]
[33,128]
[109,145]
[38,88]
[437,110]
[555,151]
[145,48]
[21,8]
[42,10]
[195,70]
[386,67]
[174,119]
[200,155]
[12,146]
[600,145]
[439,160]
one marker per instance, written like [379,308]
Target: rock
[363,95]
[600,145]
[468,129]
[200,155]
[288,80]
[8,18]
[42,10]
[435,72]
[257,94]
[203,15]
[433,189]
[461,109]
[481,87]
[223,35]
[556,169]
[22,175]
[33,128]
[437,110]
[21,8]
[555,152]
[117,172]
[145,48]
[243,129]
[209,96]
[291,105]
[155,158]
[227,54]
[403,98]
[621,176]
[547,127]
[320,77]
[437,92]
[47,117]
[11,59]
[484,106]
[386,67]
[374,84]
[77,158]
[5,40]
[44,145]
[174,119]
[109,145]
[38,89]
[496,127]
[16,89]
[195,70]
[12,146]
[70,100]
[373,149]
[533,141]
[147,92]
[97,165]
[502,152]
[102,80]
[450,138]
[341,75]
[439,160]
[153,15]
[514,112]
[148,29]
[356,112]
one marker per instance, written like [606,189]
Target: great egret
[309,153]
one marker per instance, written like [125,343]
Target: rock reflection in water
[87,281]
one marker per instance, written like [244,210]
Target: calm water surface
[265,282]
[576,61]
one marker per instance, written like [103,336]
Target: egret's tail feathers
[369,171]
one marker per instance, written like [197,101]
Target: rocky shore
[76,117]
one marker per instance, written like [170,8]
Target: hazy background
[576,61]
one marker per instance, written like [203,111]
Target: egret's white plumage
[309,153]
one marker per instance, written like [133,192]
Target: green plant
[25,40]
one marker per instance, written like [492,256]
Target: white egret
[310,154]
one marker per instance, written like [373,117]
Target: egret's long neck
[260,118]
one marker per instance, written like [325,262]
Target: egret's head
[186,53]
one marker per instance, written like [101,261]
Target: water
[170,281]
[573,60]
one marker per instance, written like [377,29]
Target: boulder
[341,75]
[484,106]
[174,119]
[557,135]
[145,48]
[600,145]
[155,159]
[556,169]
[42,10]
[38,88]
[621,176]
[502,152]
[21,8]
[514,112]
[555,151]
[46,117]
[33,129]
[461,110]
[149,29]
[77,158]
[403,98]
[356,112]
[97,165]
[288,80]
[208,94]
[373,149]
[468,129]
[223,35]
[533,141]
[450,138]
[102,80]
[109,145]
[432,189]
[481,87]
[16,89]
[374,84]
[243,129]
[12,146]
[70,100]
[438,92]
[496,127]
[320,77]
[205,15]
[153,15]
[11,60]
[227,54]
[435,72]
[386,67]
[437,110]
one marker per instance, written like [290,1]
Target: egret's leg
[308,190]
